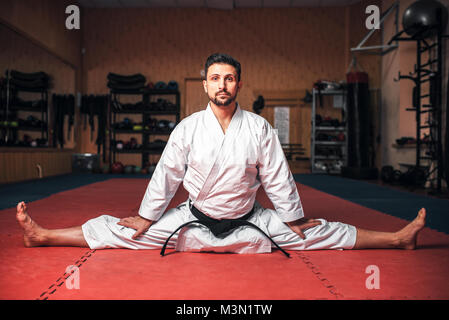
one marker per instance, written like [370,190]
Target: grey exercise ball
[421,16]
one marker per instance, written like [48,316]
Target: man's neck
[224,114]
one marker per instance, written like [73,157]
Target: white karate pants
[104,232]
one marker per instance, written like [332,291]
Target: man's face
[221,84]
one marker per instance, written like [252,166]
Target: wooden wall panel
[21,165]
[280,50]
[43,21]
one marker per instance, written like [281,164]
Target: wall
[43,22]
[397,95]
[281,50]
[36,38]
[27,164]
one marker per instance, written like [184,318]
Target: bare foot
[408,235]
[33,234]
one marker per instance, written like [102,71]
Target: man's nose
[221,84]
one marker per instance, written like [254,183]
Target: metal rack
[427,70]
[330,163]
[146,112]
[9,110]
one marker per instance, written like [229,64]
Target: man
[222,155]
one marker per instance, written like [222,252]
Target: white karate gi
[221,173]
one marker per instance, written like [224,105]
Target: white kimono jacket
[221,173]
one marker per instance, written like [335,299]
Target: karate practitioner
[222,155]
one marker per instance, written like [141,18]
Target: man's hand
[300,225]
[137,223]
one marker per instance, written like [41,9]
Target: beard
[223,103]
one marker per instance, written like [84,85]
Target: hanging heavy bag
[358,119]
[446,140]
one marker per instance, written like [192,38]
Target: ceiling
[215,4]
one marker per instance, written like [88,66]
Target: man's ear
[240,85]
[205,85]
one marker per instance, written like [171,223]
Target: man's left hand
[303,224]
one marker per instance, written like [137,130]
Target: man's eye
[230,79]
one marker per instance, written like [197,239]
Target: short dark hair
[222,58]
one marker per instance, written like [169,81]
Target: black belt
[218,227]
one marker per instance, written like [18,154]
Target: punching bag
[358,120]
[446,140]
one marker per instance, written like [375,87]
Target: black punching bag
[359,135]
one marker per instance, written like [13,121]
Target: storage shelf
[330,143]
[322,128]
[334,162]
[152,132]
[145,110]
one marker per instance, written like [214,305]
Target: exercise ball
[106,168]
[117,167]
[129,169]
[421,16]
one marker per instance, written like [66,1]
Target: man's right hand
[137,223]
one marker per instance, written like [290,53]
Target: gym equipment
[106,168]
[63,105]
[117,167]
[129,169]
[405,140]
[259,104]
[425,21]
[307,98]
[446,140]
[126,78]
[26,81]
[421,18]
[172,85]
[160,85]
[387,174]
[14,83]
[96,106]
[414,177]
[152,103]
[126,83]
[358,137]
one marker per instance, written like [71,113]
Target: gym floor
[64,201]
[287,49]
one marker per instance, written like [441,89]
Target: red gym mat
[41,273]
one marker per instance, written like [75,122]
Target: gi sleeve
[276,177]
[167,176]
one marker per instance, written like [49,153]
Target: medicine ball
[387,174]
[117,167]
[105,168]
[422,17]
[129,169]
